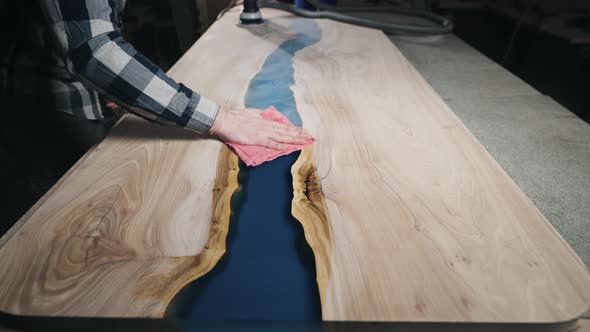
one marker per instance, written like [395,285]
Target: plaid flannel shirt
[91,46]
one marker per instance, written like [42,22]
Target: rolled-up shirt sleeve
[95,51]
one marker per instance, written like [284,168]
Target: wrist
[217,123]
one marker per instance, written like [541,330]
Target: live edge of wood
[409,217]
[393,238]
[140,215]
[138,286]
[309,208]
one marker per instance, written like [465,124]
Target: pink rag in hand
[254,155]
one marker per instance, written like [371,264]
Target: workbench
[262,277]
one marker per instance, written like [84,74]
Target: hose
[336,13]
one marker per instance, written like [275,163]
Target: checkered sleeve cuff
[204,113]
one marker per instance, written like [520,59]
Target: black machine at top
[251,15]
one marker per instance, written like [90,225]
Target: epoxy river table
[400,215]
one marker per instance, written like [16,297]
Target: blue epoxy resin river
[268,271]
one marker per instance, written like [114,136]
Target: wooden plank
[409,217]
[125,231]
[42,200]
[582,325]
[144,213]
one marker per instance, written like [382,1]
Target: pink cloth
[254,155]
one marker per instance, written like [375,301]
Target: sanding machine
[349,14]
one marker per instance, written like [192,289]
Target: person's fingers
[287,130]
[297,131]
[270,124]
[252,112]
[288,138]
[252,109]
[277,126]
[287,134]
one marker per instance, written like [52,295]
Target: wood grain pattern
[583,325]
[144,213]
[106,243]
[409,217]
[309,207]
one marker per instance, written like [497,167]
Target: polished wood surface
[125,231]
[409,217]
[142,214]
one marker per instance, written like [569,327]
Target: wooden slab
[409,217]
[141,215]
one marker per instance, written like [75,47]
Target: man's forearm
[97,53]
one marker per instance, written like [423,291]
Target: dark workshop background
[541,41]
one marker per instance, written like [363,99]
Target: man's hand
[249,127]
